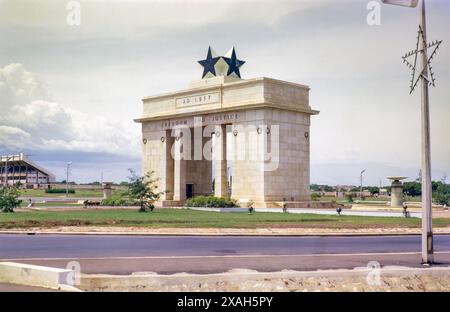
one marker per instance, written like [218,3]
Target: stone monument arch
[228,136]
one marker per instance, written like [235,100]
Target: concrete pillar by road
[179,180]
[396,191]
[220,161]
[107,190]
[168,182]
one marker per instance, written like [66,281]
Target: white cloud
[31,120]
[14,138]
[141,17]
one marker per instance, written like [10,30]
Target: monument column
[169,166]
[220,161]
[179,192]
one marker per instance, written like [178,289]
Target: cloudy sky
[69,93]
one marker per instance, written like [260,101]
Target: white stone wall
[154,156]
[248,176]
[253,178]
[290,182]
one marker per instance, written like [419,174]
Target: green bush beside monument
[211,202]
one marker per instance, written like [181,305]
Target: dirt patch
[223,231]
[340,226]
[358,279]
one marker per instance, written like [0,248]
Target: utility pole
[426,77]
[427,227]
[361,184]
[67,178]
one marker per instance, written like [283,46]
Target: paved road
[169,254]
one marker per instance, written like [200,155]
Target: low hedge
[59,191]
[211,201]
[119,200]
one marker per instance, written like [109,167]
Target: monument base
[170,203]
[280,204]
[260,204]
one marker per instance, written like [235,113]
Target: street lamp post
[361,184]
[427,228]
[67,178]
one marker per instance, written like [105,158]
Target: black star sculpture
[233,64]
[209,63]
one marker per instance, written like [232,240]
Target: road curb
[36,275]
[357,279]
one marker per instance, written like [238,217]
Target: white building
[18,168]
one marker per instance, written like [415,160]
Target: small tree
[442,195]
[143,189]
[412,188]
[9,199]
[350,197]
[374,190]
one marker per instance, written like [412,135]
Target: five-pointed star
[427,72]
[208,64]
[233,64]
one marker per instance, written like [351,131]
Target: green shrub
[9,199]
[442,199]
[211,201]
[120,200]
[59,191]
[442,195]
[350,197]
[315,196]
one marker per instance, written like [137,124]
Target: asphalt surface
[171,254]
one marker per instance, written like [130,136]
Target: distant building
[18,168]
[344,188]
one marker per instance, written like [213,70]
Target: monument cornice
[237,107]
[226,85]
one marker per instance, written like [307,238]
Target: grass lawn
[190,218]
